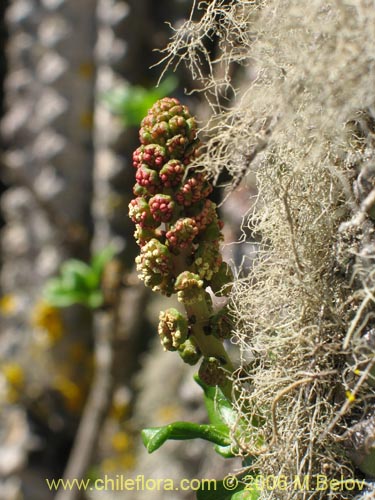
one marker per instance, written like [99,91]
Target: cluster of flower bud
[173,329]
[171,210]
[178,231]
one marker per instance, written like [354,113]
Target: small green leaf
[95,299]
[167,86]
[78,274]
[75,267]
[219,409]
[59,297]
[132,103]
[100,259]
[155,437]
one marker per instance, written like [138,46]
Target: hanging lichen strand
[179,233]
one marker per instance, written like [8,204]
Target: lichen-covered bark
[47,130]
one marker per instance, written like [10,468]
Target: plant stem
[209,345]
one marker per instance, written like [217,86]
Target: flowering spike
[165,120]
[179,232]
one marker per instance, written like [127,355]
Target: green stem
[208,344]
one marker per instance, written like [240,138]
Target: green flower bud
[173,329]
[189,352]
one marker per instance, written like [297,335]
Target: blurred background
[81,369]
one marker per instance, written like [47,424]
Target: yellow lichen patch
[14,379]
[48,318]
[71,393]
[120,403]
[86,70]
[127,461]
[123,462]
[109,465]
[86,120]
[13,374]
[8,305]
[166,413]
[121,441]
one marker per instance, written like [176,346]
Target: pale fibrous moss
[302,119]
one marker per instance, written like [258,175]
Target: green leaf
[100,259]
[155,437]
[167,86]
[59,297]
[219,409]
[77,274]
[95,299]
[132,103]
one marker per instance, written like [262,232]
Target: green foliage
[220,414]
[131,102]
[79,283]
[155,437]
[219,409]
